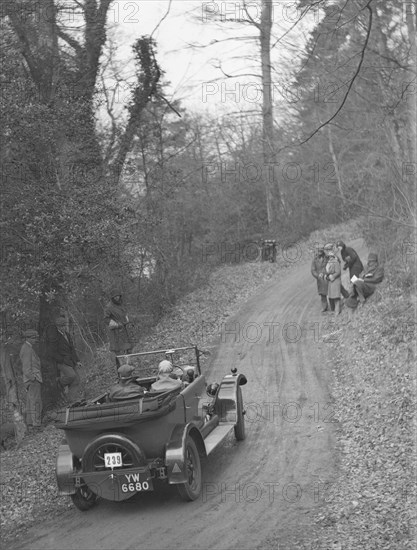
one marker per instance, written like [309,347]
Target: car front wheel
[191,489]
[84,499]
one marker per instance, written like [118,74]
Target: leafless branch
[75,45]
[168,103]
[162,19]
[220,41]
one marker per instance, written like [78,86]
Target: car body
[116,449]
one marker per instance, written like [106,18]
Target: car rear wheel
[84,499]
[239,428]
[94,454]
[94,460]
[191,489]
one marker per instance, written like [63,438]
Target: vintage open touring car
[117,447]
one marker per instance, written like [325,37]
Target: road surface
[259,493]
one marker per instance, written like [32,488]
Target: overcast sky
[194,73]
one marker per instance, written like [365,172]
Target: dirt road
[264,491]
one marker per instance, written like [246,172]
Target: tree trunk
[412,97]
[50,392]
[335,162]
[397,137]
[268,146]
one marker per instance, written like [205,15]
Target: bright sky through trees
[199,76]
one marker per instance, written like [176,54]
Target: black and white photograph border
[208,274]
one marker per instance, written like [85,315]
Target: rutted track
[263,489]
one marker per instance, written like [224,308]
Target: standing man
[9,351]
[32,378]
[62,351]
[117,322]
[318,270]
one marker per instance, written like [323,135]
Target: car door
[193,395]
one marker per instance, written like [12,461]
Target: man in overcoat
[318,270]
[373,275]
[117,322]
[62,351]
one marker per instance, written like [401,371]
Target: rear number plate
[135,483]
[113,460]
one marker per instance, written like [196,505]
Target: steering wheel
[181,372]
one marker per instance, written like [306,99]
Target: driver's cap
[125,371]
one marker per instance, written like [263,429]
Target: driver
[165,381]
[126,387]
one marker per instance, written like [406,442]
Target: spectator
[32,378]
[62,351]
[373,275]
[318,270]
[351,261]
[9,354]
[117,321]
[333,272]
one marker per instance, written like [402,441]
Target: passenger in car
[189,376]
[126,387]
[165,382]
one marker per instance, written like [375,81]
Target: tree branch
[162,19]
[75,45]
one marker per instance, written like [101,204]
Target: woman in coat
[318,270]
[351,265]
[333,272]
[350,259]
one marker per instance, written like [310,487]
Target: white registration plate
[113,460]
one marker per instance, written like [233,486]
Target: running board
[217,435]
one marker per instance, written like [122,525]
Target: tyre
[84,499]
[94,461]
[239,427]
[93,458]
[191,489]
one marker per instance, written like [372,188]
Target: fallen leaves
[374,500]
[28,484]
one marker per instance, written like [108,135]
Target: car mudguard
[64,471]
[225,402]
[175,451]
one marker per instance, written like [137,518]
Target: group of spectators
[342,278]
[337,268]
[60,349]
